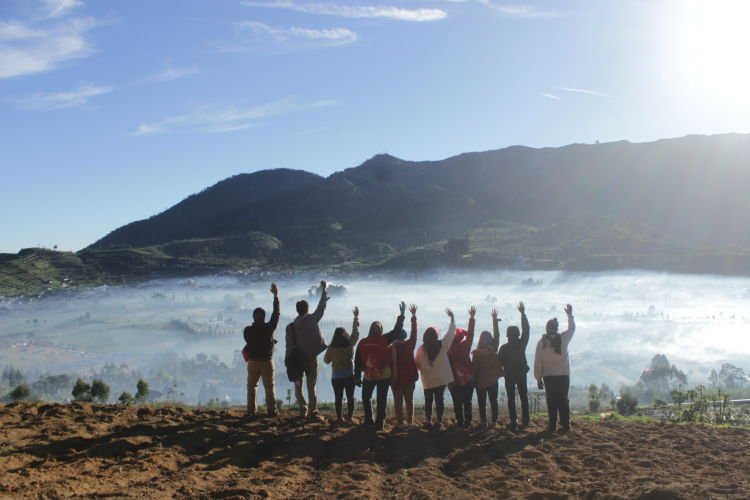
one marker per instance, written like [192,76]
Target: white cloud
[352,11]
[518,10]
[583,91]
[25,50]
[60,100]
[254,36]
[550,96]
[57,8]
[213,119]
[171,73]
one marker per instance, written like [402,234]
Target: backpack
[295,360]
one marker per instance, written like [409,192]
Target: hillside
[672,205]
[173,452]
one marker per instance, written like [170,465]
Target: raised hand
[449,313]
[355,311]
[521,307]
[472,311]
[494,315]
[568,309]
[323,285]
[274,289]
[413,309]
[402,308]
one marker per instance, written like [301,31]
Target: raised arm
[393,335]
[451,333]
[318,313]
[495,331]
[525,329]
[276,311]
[412,342]
[470,337]
[355,327]
[568,334]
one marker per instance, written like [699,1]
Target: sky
[114,111]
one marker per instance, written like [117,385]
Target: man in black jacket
[512,356]
[259,354]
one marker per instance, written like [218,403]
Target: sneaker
[563,430]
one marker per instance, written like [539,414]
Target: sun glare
[711,49]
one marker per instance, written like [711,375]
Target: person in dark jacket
[405,373]
[374,359]
[462,390]
[259,346]
[512,356]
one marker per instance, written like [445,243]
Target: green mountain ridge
[670,205]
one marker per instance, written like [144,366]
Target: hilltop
[58,451]
[673,205]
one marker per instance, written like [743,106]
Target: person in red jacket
[374,359]
[405,373]
[462,389]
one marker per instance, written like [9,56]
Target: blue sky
[113,111]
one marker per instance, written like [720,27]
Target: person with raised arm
[258,352]
[435,369]
[374,359]
[405,372]
[340,355]
[487,370]
[305,342]
[512,356]
[462,390]
[552,370]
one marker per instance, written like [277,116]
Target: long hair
[553,339]
[340,338]
[432,345]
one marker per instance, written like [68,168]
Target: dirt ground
[54,451]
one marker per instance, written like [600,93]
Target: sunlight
[710,45]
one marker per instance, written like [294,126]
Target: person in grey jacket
[304,334]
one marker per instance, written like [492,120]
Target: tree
[125,398]
[13,376]
[594,403]
[81,391]
[99,391]
[142,391]
[20,393]
[627,404]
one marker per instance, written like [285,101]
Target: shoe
[380,426]
[563,430]
[512,426]
[368,422]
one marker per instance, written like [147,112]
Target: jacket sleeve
[246,334]
[525,330]
[355,334]
[495,334]
[318,313]
[449,336]
[327,358]
[357,363]
[275,315]
[538,361]
[470,337]
[568,334]
[412,342]
[392,336]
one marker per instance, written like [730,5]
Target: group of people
[384,361]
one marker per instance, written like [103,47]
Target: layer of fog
[623,320]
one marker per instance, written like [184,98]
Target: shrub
[627,404]
[81,391]
[142,391]
[125,398]
[20,393]
[99,391]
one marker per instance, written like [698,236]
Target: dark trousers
[339,386]
[462,396]
[557,400]
[482,394]
[436,394]
[382,398]
[519,382]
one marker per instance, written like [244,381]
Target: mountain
[673,205]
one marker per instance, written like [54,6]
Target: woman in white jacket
[435,369]
[552,370]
